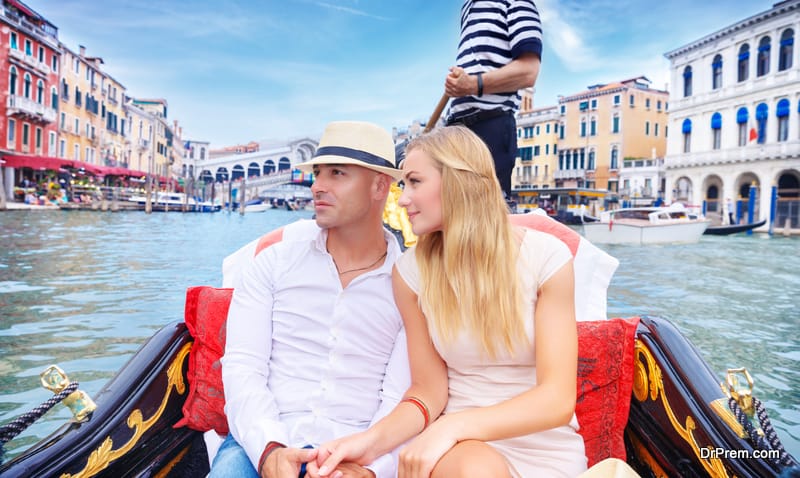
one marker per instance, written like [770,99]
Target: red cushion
[205,315]
[605,384]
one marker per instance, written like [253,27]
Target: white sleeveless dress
[475,381]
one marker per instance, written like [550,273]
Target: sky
[235,71]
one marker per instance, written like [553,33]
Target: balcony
[143,143]
[29,109]
[570,174]
[14,53]
[48,35]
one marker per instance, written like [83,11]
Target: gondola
[733,228]
[645,395]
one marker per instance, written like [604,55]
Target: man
[499,54]
[315,346]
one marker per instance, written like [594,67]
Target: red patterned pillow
[205,315]
[605,384]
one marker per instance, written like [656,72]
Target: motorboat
[671,415]
[175,202]
[257,205]
[646,225]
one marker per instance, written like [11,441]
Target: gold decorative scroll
[100,458]
[649,379]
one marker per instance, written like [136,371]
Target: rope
[770,440]
[7,432]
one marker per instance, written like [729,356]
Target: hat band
[356,154]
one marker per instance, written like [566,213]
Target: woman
[489,315]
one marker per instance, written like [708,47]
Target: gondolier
[499,53]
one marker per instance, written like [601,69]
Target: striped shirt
[493,33]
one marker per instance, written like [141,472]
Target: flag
[753,134]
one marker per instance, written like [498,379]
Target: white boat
[647,225]
[257,207]
[175,201]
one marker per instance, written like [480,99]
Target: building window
[716,73]
[741,121]
[614,124]
[77,129]
[13,40]
[762,113]
[12,80]
[53,97]
[26,133]
[51,145]
[616,99]
[63,120]
[594,104]
[28,47]
[38,140]
[786,51]
[647,128]
[593,127]
[762,64]
[563,109]
[54,63]
[26,86]
[591,161]
[76,152]
[687,81]
[62,148]
[40,92]
[12,131]
[583,128]
[743,70]
[716,129]
[631,100]
[562,130]
[782,112]
[647,103]
[614,158]
[687,135]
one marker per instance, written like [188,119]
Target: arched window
[687,81]
[762,65]
[686,128]
[716,73]
[12,80]
[782,112]
[716,130]
[40,92]
[743,70]
[53,97]
[787,49]
[762,112]
[27,86]
[741,121]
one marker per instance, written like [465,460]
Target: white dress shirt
[307,361]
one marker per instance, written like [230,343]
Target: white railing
[570,174]
[20,104]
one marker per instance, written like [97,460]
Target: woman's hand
[418,459]
[356,448]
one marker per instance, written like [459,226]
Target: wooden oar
[436,113]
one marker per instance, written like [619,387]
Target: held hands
[338,456]
[286,462]
[459,83]
[418,459]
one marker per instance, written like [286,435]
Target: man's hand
[286,462]
[458,83]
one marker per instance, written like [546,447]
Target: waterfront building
[30,59]
[642,181]
[735,118]
[195,154]
[537,149]
[160,135]
[604,125]
[113,142]
[88,126]
[140,125]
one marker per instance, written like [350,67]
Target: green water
[85,289]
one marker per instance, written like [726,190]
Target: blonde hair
[468,269]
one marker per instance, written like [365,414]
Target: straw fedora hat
[355,142]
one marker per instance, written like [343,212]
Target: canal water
[84,290]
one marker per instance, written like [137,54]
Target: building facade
[604,125]
[537,149]
[31,58]
[735,119]
[161,136]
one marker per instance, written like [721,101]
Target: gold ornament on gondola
[79,402]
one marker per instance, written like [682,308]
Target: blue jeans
[232,462]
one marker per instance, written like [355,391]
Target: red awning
[35,162]
[88,167]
